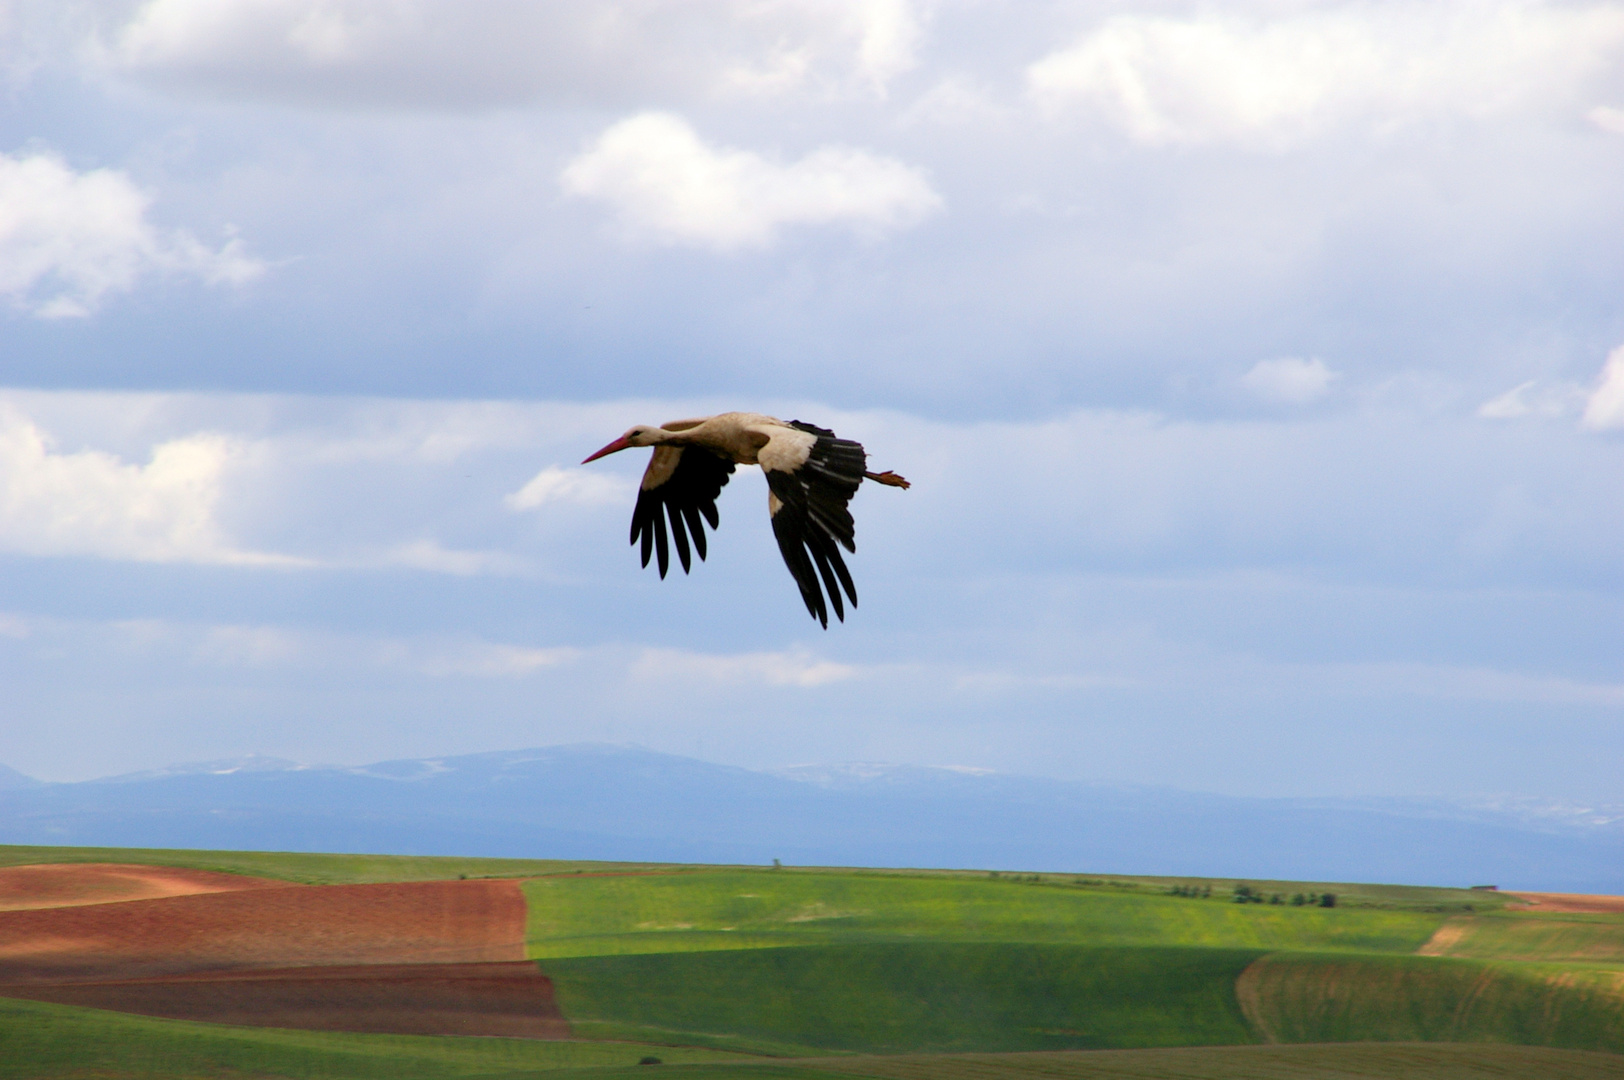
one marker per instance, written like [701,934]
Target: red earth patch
[419,922]
[511,999]
[426,957]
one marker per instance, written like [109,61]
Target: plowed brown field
[512,999]
[1575,903]
[422,922]
[427,957]
[49,886]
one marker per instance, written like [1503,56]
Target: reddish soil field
[422,922]
[1578,903]
[512,999]
[49,886]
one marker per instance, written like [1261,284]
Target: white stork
[811,476]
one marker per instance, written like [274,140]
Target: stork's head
[641,435]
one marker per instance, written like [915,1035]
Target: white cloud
[1233,77]
[1604,408]
[250,646]
[1462,683]
[1608,119]
[228,645]
[665,183]
[1290,380]
[1532,399]
[1509,405]
[422,54]
[954,102]
[430,555]
[874,40]
[67,239]
[484,659]
[346,484]
[796,667]
[554,484]
[94,503]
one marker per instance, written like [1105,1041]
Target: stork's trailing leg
[888,478]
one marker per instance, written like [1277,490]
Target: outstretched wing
[811,477]
[680,484]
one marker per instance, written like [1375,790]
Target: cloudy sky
[1259,367]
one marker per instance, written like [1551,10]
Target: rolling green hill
[897,998]
[55,1042]
[1308,998]
[1560,936]
[39,1040]
[787,962]
[733,909]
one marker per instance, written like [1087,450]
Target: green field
[53,1042]
[1595,939]
[733,909]
[748,972]
[897,998]
[1305,998]
[318,868]
[38,1040]
[313,869]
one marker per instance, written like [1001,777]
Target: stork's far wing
[810,519]
[680,484]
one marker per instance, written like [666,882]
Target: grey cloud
[417,55]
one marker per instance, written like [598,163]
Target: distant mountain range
[607,802]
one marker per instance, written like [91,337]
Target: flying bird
[811,476]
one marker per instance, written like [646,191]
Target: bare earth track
[74,885]
[1573,903]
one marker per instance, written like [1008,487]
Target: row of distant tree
[1245,894]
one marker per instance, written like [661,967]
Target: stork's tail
[888,478]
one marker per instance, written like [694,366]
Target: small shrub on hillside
[1327,899]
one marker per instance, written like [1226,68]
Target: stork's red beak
[618,444]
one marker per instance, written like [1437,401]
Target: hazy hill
[11,778]
[602,802]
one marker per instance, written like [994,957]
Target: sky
[1259,368]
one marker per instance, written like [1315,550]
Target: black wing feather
[682,498]
[812,523]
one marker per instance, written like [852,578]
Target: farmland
[111,960]
[731,909]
